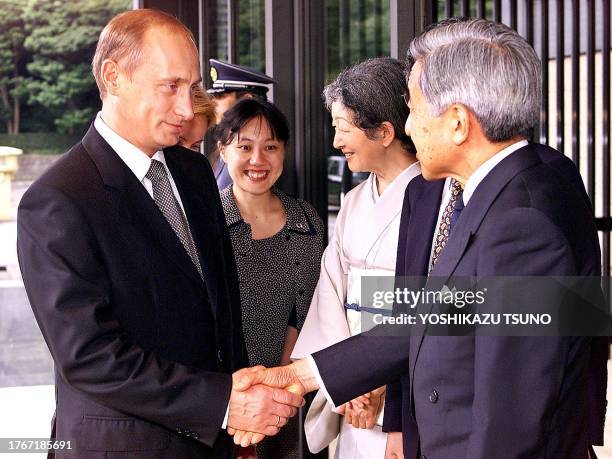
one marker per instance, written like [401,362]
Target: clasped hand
[362,412]
[263,399]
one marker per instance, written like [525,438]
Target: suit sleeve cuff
[315,371]
[224,425]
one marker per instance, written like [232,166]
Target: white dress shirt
[470,186]
[134,158]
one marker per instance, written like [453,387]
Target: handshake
[263,399]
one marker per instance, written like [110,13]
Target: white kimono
[364,241]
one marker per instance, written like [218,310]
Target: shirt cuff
[224,425]
[315,371]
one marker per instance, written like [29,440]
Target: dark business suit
[474,397]
[413,253]
[143,347]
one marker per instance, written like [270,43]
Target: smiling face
[152,105]
[254,158]
[362,153]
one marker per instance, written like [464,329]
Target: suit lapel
[423,215]
[160,230]
[474,213]
[139,206]
[471,218]
[425,200]
[201,218]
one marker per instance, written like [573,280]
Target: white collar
[134,158]
[402,180]
[483,170]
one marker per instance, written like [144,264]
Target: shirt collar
[479,174]
[134,158]
[297,221]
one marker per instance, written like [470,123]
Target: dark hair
[373,91]
[244,111]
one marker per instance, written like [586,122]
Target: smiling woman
[251,140]
[368,115]
[277,242]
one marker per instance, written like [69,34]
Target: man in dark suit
[474,97]
[129,269]
[423,202]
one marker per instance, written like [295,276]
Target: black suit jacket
[143,347]
[493,397]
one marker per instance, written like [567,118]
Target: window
[216,33]
[356,30]
[251,34]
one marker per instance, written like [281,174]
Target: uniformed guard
[231,83]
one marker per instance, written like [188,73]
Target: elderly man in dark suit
[424,203]
[474,97]
[129,268]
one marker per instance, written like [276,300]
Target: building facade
[303,44]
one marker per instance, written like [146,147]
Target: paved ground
[26,369]
[24,358]
[9,270]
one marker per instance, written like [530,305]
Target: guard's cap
[231,77]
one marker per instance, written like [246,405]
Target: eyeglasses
[406,98]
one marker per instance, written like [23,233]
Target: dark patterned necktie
[169,206]
[449,217]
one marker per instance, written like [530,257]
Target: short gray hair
[484,65]
[373,90]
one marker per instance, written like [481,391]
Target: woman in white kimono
[368,114]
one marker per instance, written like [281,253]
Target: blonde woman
[192,135]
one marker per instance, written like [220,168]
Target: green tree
[12,63]
[252,34]
[61,38]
